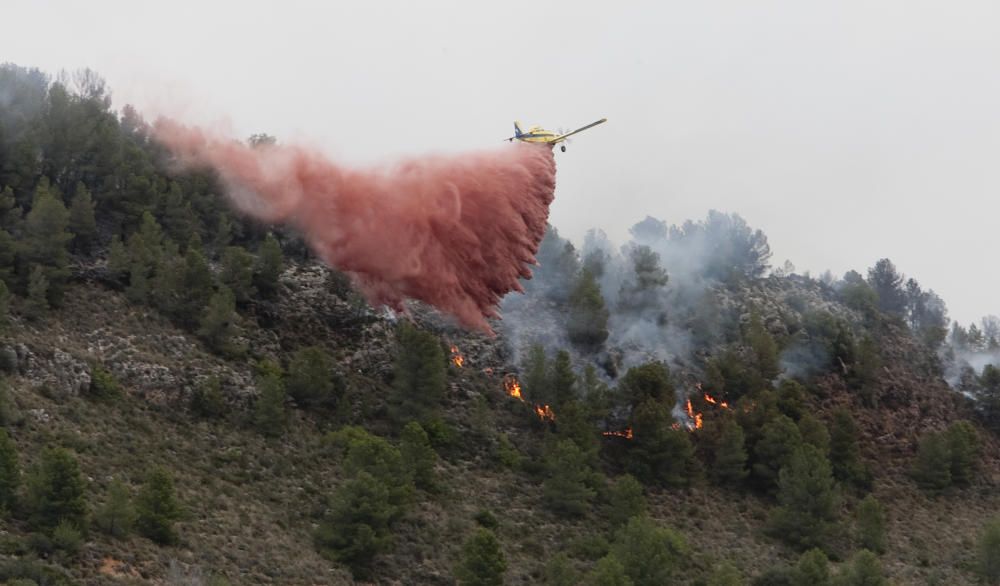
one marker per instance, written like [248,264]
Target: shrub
[157,508]
[871,525]
[103,385]
[989,553]
[650,553]
[482,561]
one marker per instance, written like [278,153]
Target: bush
[486,519]
[418,456]
[482,562]
[963,443]
[117,515]
[67,539]
[420,375]
[356,526]
[625,500]
[312,380]
[813,568]
[207,400]
[56,491]
[559,571]
[932,469]
[565,489]
[103,385]
[864,570]
[608,572]
[10,472]
[808,499]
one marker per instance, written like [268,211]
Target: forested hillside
[188,397]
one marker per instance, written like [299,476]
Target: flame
[545,413]
[512,386]
[627,433]
[712,400]
[695,418]
[456,357]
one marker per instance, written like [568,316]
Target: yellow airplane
[537,134]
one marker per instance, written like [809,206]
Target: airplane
[539,135]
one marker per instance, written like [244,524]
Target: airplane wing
[591,125]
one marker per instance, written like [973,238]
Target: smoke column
[453,232]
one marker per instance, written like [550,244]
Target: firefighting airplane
[537,134]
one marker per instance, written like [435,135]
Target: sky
[847,130]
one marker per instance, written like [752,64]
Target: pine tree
[36,306]
[117,516]
[813,568]
[608,571]
[726,574]
[625,500]
[659,453]
[651,554]
[989,552]
[156,508]
[82,223]
[145,250]
[218,324]
[482,561]
[356,525]
[418,456]
[10,213]
[420,374]
[648,381]
[536,376]
[562,380]
[988,396]
[587,325]
[963,444]
[871,524]
[118,260]
[267,272]
[565,489]
[55,491]
[10,472]
[845,455]
[814,433]
[270,414]
[559,571]
[237,273]
[865,570]
[730,465]
[775,448]
[764,348]
[808,499]
[312,381]
[45,240]
[932,469]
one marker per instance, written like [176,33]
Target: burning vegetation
[456,357]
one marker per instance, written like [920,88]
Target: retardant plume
[455,232]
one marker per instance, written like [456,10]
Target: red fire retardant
[455,232]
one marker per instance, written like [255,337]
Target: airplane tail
[517,128]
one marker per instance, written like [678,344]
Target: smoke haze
[454,232]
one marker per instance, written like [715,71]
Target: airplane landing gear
[562,148]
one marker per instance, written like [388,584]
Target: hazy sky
[847,131]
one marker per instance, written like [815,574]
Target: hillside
[191,398]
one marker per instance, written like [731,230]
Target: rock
[62,375]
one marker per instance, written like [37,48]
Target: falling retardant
[456,232]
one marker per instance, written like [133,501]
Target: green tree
[559,571]
[659,453]
[932,469]
[418,456]
[726,574]
[562,380]
[650,553]
[989,552]
[36,306]
[55,491]
[237,273]
[536,376]
[219,323]
[156,508]
[963,444]
[565,489]
[779,441]
[8,255]
[730,457]
[4,305]
[608,571]
[814,433]
[765,350]
[988,396]
[270,413]
[871,524]
[364,452]
[118,260]
[649,381]
[808,499]
[117,515]
[45,240]
[10,472]
[625,500]
[887,283]
[312,380]
[82,224]
[420,374]
[145,251]
[356,525]
[587,325]
[813,568]
[270,264]
[482,561]
[864,570]
[845,455]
